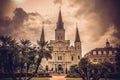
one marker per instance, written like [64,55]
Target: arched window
[72,58]
[105,60]
[66,47]
[95,60]
[61,37]
[46,67]
[78,57]
[96,52]
[102,52]
[58,58]
[111,59]
[100,60]
[58,37]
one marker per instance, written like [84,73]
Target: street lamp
[88,74]
[66,67]
[26,70]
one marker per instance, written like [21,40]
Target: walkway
[58,78]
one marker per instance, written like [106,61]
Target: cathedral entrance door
[60,69]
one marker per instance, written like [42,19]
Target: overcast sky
[97,20]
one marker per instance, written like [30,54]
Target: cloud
[25,25]
[5,7]
[58,2]
[19,17]
[100,14]
[19,24]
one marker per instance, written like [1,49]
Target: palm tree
[24,57]
[8,50]
[43,51]
[14,56]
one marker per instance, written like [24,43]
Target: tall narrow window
[78,57]
[58,58]
[66,47]
[46,67]
[61,37]
[72,58]
[58,37]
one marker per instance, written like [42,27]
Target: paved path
[58,78]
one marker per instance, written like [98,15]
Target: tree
[118,58]
[84,69]
[74,72]
[97,70]
[74,68]
[20,56]
[44,51]
[88,70]
[26,56]
[8,51]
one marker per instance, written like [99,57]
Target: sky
[97,20]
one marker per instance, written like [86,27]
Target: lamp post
[26,70]
[66,67]
[88,74]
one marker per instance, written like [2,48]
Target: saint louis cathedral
[63,55]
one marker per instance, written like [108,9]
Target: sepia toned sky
[97,20]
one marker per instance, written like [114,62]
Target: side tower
[44,62]
[77,44]
[42,37]
[60,31]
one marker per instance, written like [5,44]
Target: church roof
[100,49]
[104,49]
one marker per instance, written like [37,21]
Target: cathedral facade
[63,55]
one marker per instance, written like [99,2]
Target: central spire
[60,22]
[60,15]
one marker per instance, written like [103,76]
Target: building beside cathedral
[101,55]
[63,55]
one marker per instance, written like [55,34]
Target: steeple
[77,37]
[42,38]
[60,31]
[60,16]
[60,22]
